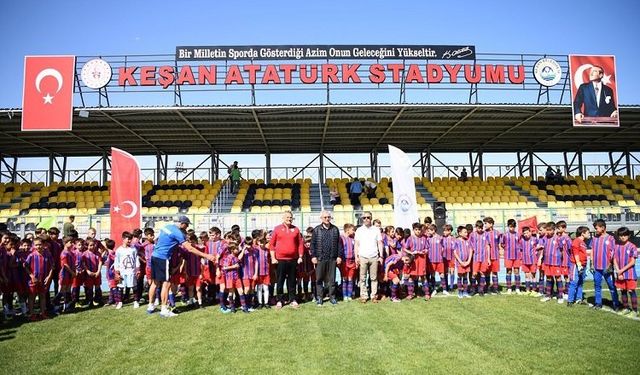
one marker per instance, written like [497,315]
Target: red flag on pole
[47,97]
[531,222]
[125,193]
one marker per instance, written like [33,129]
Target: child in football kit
[512,255]
[393,266]
[127,268]
[463,254]
[109,259]
[148,245]
[448,241]
[232,282]
[193,273]
[551,259]
[565,244]
[417,246]
[495,241]
[40,267]
[18,276]
[528,246]
[602,245]
[67,274]
[92,262]
[480,242]
[348,266]
[249,269]
[579,261]
[263,263]
[435,262]
[624,261]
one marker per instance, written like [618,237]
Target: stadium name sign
[309,73]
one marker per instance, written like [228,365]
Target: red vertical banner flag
[47,97]
[594,91]
[126,193]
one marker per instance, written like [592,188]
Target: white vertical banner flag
[405,207]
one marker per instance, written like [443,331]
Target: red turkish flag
[125,193]
[47,97]
[531,222]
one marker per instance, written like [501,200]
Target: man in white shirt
[368,251]
[594,98]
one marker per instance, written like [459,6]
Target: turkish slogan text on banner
[594,90]
[125,193]
[47,98]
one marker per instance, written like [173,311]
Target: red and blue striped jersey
[602,251]
[79,266]
[39,264]
[109,264]
[494,242]
[148,253]
[67,258]
[418,245]
[218,248]
[15,268]
[394,262]
[395,245]
[348,246]
[249,263]
[552,252]
[565,245]
[624,254]
[479,243]
[192,265]
[434,244]
[176,258]
[263,260]
[529,250]
[230,260]
[463,248]
[448,243]
[90,261]
[510,244]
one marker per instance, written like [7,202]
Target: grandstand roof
[314,128]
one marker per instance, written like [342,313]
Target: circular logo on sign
[405,203]
[96,73]
[547,72]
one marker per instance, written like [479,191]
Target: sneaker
[245,310]
[597,307]
[119,306]
[565,296]
[278,305]
[224,310]
[156,303]
[536,294]
[151,309]
[396,300]
[560,301]
[460,295]
[266,306]
[466,295]
[375,300]
[624,312]
[508,291]
[136,304]
[167,314]
[333,301]
[364,300]
[294,305]
[95,303]
[570,304]
[518,292]
[445,293]
[434,293]
[545,299]
[319,304]
[347,299]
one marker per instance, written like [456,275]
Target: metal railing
[249,221]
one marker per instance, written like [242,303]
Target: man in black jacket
[326,253]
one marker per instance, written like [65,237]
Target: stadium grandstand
[430,130]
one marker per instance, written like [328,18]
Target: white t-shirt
[368,240]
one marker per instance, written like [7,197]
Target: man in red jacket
[286,248]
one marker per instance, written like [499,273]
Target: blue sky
[139,27]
